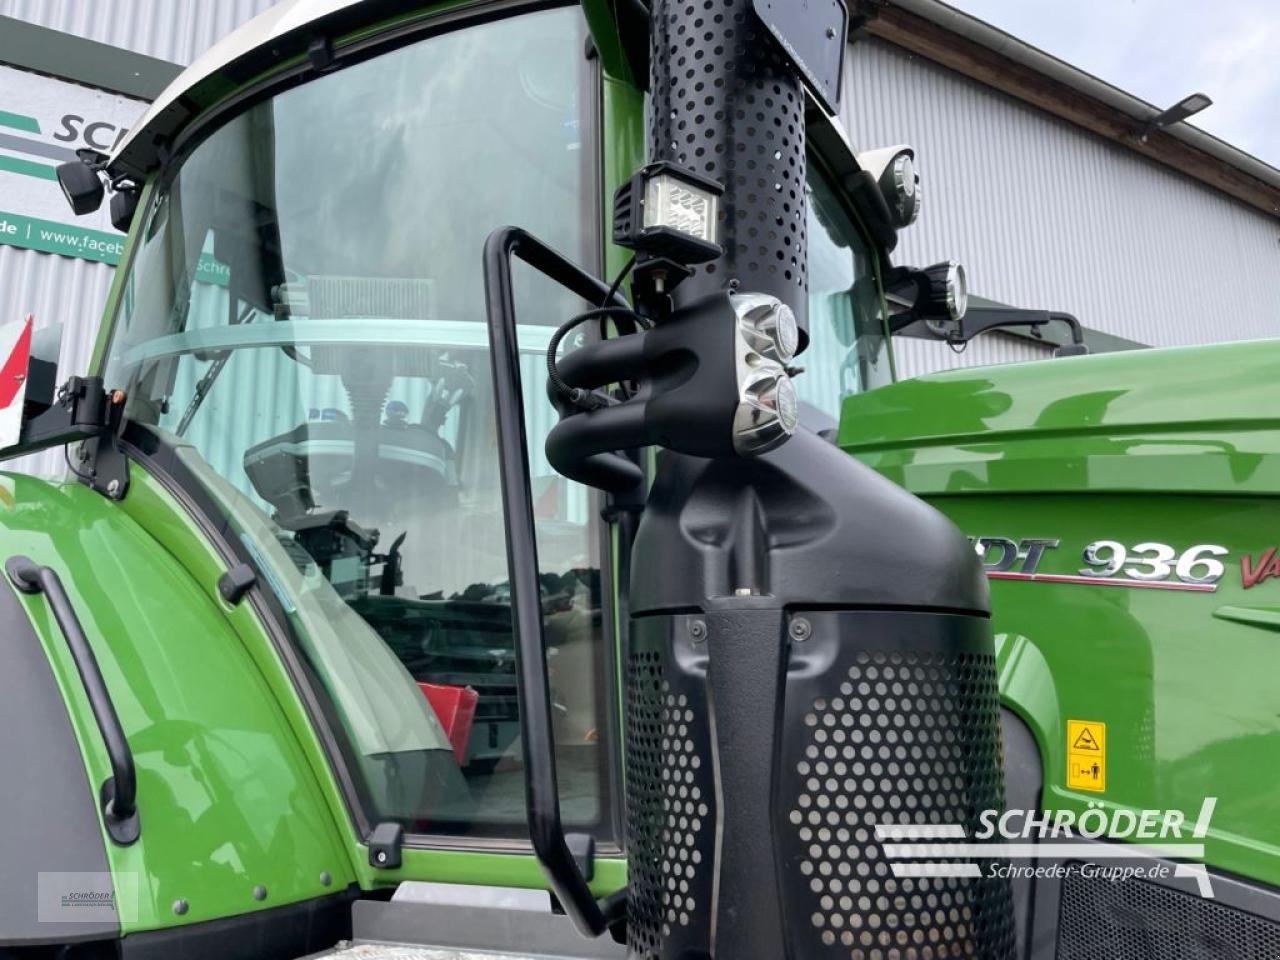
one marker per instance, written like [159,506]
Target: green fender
[227,797]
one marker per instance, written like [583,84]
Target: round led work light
[768,336]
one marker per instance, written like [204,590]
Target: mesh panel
[670,802]
[888,717]
[1135,919]
[644,803]
[687,812]
[899,737]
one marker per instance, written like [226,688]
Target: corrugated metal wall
[1044,214]
[913,357]
[175,31]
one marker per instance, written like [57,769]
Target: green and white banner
[43,121]
[51,236]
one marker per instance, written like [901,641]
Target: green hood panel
[226,796]
[1176,447]
[1192,419]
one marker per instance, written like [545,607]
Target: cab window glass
[305,323]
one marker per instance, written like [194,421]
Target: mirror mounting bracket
[979,319]
[86,413]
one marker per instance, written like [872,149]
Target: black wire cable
[582,398]
[587,399]
[617,281]
[66,455]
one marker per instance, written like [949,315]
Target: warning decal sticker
[1087,755]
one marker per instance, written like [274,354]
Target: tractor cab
[299,333]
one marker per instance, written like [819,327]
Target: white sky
[1162,50]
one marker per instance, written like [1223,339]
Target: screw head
[382,856]
[801,630]
[113,488]
[697,631]
[180,907]
[831,33]
[325,878]
[259,892]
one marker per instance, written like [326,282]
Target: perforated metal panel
[906,732]
[644,801]
[670,802]
[726,105]
[687,812]
[1135,919]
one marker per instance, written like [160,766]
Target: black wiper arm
[206,382]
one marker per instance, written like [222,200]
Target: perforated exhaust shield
[888,718]
[727,105]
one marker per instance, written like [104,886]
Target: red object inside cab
[456,709]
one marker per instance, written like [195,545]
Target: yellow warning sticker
[1086,755]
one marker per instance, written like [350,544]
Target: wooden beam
[926,39]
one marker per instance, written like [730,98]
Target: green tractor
[454,560]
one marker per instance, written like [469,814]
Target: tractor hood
[1191,419]
[277,36]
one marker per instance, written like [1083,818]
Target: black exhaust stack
[725,103]
[810,662]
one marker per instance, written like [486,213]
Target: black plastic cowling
[810,659]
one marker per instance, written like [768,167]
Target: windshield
[304,321]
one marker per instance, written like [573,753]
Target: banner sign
[43,121]
[50,236]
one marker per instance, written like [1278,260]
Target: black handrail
[118,795]
[546,831]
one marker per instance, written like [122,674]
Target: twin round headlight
[768,338]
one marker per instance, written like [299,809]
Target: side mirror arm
[979,320]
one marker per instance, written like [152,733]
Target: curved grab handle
[118,794]
[533,691]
